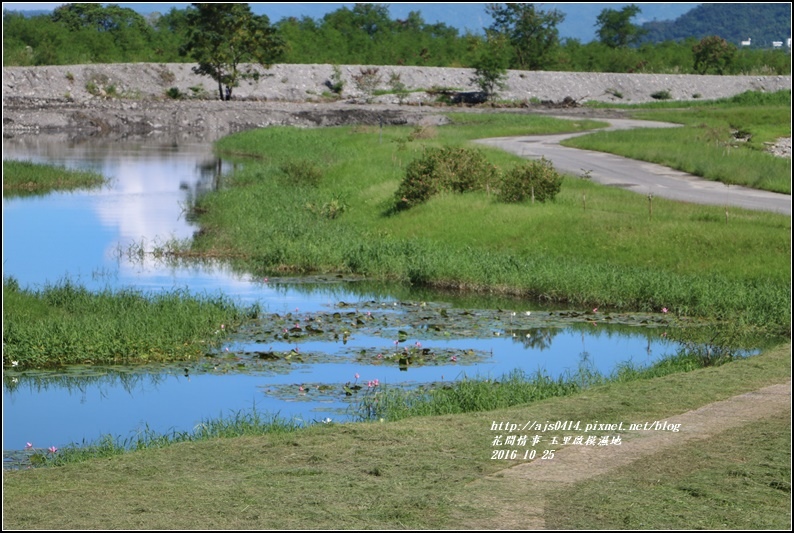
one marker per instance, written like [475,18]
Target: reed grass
[65,323]
[610,251]
[24,178]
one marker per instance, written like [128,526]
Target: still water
[83,236]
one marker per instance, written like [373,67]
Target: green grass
[67,324]
[707,145]
[24,178]
[469,395]
[423,472]
[719,483]
[606,250]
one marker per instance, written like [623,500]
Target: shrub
[198,91]
[303,172]
[444,169]
[367,80]
[336,83]
[535,179]
[166,76]
[662,95]
[174,93]
[398,87]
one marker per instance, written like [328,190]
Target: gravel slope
[130,98]
[298,83]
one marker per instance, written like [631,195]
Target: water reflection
[84,403]
[79,235]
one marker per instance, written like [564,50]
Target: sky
[579,20]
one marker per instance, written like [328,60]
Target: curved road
[639,176]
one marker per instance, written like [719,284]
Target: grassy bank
[432,472]
[720,141]
[67,324]
[323,200]
[24,178]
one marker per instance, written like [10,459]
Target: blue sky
[579,17]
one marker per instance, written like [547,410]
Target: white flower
[327,421]
[14,363]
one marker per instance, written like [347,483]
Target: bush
[303,172]
[535,179]
[336,83]
[398,87]
[367,80]
[174,93]
[444,169]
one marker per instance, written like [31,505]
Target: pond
[317,334]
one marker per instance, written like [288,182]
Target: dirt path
[518,494]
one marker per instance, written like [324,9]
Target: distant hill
[762,23]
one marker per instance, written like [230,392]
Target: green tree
[490,66]
[532,33]
[713,55]
[615,28]
[115,33]
[95,16]
[222,36]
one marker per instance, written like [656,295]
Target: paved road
[639,176]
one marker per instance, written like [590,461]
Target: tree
[222,36]
[490,66]
[94,16]
[531,32]
[713,54]
[615,28]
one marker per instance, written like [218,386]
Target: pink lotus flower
[375,383]
[222,326]
[357,376]
[664,309]
[301,389]
[28,445]
[52,449]
[595,309]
